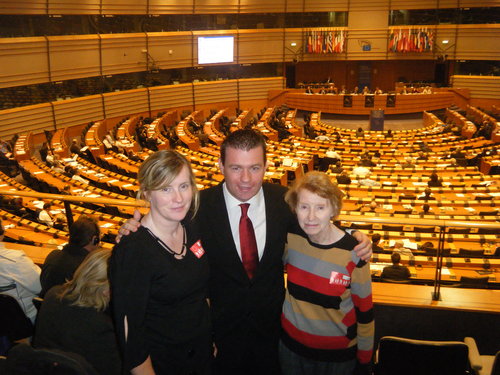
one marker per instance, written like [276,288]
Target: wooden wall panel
[23,7]
[180,45]
[368,6]
[262,6]
[74,56]
[326,5]
[295,5]
[80,111]
[293,52]
[125,102]
[487,87]
[260,46]
[478,3]
[171,6]
[35,118]
[258,88]
[220,6]
[122,53]
[475,42]
[124,6]
[23,61]
[412,4]
[376,38]
[172,96]
[74,6]
[216,6]
[218,91]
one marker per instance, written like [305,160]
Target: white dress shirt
[19,271]
[256,213]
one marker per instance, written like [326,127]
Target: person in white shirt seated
[19,277]
[76,176]
[44,216]
[399,247]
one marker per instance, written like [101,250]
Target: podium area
[358,105]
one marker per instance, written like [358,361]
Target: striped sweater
[328,311]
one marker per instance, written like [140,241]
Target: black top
[80,330]
[60,265]
[396,272]
[163,299]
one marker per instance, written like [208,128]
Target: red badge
[337,278]
[197,249]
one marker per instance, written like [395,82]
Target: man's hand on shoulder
[364,248]
[131,225]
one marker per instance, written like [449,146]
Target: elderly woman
[72,317]
[159,277]
[327,319]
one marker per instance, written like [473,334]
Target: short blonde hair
[318,183]
[160,169]
[89,286]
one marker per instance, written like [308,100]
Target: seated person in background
[360,132]
[44,217]
[375,243]
[57,166]
[427,195]
[422,156]
[408,163]
[73,316]
[366,90]
[60,265]
[74,148]
[434,180]
[49,159]
[369,207]
[337,168]
[396,271]
[76,176]
[361,171]
[19,277]
[378,91]
[399,247]
[331,153]
[368,182]
[426,209]
[343,178]
[428,248]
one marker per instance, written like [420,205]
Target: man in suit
[246,309]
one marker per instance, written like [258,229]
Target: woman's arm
[131,283]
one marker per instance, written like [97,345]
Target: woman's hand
[364,248]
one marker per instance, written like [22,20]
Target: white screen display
[215,49]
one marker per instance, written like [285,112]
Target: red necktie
[248,244]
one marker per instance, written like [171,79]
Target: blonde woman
[159,277]
[73,316]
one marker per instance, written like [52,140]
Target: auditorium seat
[474,282]
[398,356]
[482,364]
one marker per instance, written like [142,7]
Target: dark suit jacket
[60,265]
[246,313]
[397,272]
